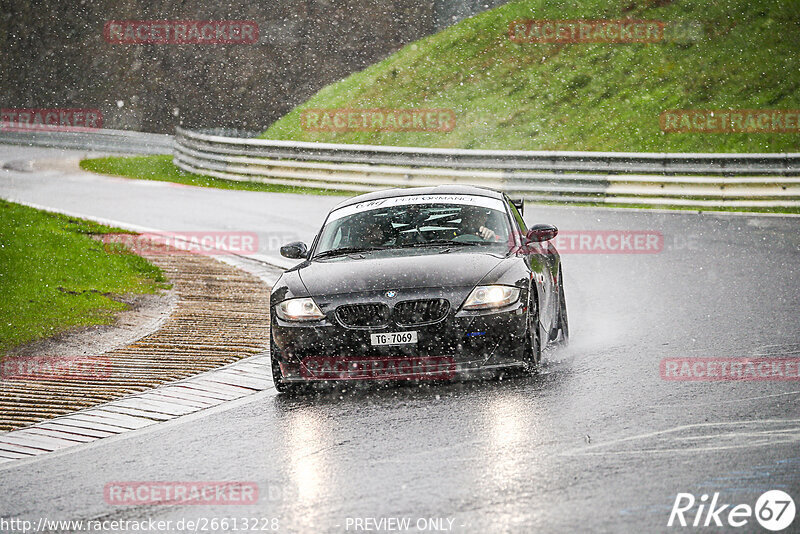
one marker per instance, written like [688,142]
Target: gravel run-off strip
[222,316]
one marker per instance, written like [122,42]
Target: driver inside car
[475,221]
[372,233]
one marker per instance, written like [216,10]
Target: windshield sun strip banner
[369,205]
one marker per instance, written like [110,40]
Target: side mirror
[295,250]
[541,232]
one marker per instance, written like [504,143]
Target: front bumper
[462,344]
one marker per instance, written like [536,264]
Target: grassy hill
[730,54]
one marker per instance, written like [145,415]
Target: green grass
[734,54]
[161,168]
[54,276]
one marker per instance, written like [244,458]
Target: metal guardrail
[740,180]
[101,140]
[697,180]
[613,162]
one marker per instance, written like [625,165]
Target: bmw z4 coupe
[426,283]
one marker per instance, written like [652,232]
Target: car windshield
[400,225]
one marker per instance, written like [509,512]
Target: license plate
[394,338]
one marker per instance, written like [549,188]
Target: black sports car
[414,284]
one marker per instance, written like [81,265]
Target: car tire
[563,321]
[532,350]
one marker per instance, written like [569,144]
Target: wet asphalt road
[598,441]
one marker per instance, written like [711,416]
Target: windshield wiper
[346,250]
[440,242]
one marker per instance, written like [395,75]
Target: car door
[543,262]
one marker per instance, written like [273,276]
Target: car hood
[385,270]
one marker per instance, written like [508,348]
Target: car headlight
[485,297]
[303,309]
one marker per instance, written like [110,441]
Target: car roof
[436,190]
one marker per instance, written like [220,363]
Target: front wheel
[532,353]
[563,321]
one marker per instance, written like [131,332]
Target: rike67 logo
[774,510]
